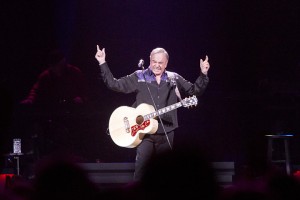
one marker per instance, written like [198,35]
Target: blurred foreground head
[62,178]
[181,172]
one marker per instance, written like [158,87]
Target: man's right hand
[100,55]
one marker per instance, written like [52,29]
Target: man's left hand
[204,65]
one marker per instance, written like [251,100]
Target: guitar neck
[162,111]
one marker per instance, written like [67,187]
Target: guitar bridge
[126,123]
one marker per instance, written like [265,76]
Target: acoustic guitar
[128,126]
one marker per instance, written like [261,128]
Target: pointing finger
[98,49]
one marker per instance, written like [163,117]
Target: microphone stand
[141,64]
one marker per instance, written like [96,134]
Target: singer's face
[158,63]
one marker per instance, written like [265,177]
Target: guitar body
[127,127]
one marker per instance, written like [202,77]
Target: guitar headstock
[191,101]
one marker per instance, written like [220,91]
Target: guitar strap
[178,93]
[172,78]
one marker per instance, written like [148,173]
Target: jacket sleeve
[125,84]
[189,88]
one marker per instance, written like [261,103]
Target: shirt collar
[149,72]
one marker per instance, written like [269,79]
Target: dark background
[253,48]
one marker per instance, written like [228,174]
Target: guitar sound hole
[139,120]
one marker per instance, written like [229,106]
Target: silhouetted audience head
[180,173]
[61,178]
[275,185]
[247,189]
[283,187]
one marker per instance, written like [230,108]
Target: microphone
[141,63]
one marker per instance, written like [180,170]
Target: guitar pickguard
[137,127]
